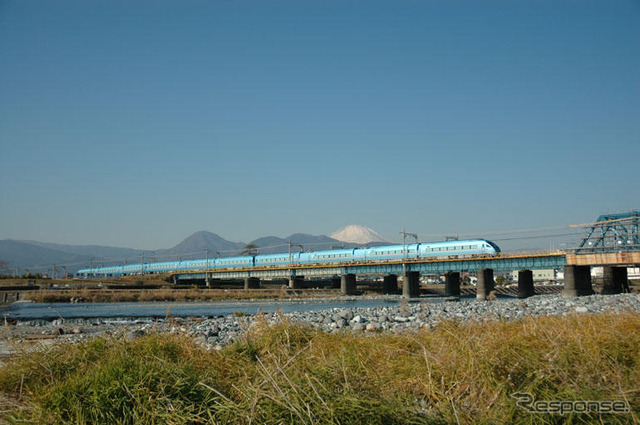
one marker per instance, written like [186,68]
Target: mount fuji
[355,233]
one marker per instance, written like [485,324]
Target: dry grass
[134,295]
[458,373]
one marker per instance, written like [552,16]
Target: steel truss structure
[611,233]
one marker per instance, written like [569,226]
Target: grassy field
[457,373]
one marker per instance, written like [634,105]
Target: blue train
[467,247]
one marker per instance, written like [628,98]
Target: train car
[231,262]
[277,259]
[387,252]
[199,264]
[457,248]
[328,256]
[163,267]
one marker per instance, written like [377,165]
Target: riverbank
[454,362]
[213,331]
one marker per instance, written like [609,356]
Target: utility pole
[142,264]
[404,234]
[294,244]
[206,275]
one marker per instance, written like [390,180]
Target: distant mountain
[272,245]
[194,247]
[96,251]
[22,256]
[355,233]
[39,257]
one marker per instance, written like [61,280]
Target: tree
[250,249]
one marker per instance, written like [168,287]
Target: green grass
[457,373]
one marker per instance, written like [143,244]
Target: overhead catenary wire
[495,232]
[234,251]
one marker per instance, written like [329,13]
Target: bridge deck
[631,258]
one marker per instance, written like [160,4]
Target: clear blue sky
[136,123]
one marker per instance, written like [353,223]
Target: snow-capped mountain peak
[355,233]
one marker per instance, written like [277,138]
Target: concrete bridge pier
[452,284]
[251,283]
[295,282]
[525,284]
[615,280]
[577,281]
[390,284]
[348,284]
[411,285]
[485,284]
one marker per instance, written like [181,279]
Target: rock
[372,327]
[131,335]
[346,314]
[358,327]
[581,309]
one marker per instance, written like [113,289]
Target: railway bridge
[611,242]
[409,269]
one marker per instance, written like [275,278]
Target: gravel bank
[216,332]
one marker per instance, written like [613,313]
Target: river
[50,311]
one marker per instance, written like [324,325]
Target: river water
[50,311]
